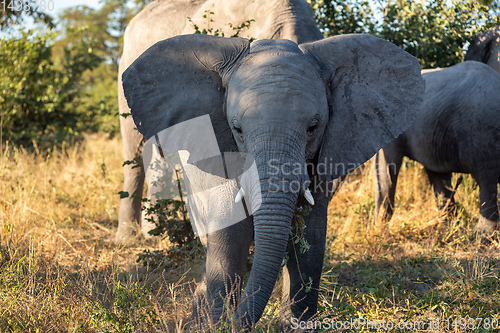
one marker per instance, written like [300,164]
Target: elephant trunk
[279,189]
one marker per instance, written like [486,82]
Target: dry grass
[421,267]
[60,271]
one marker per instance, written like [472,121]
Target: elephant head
[334,101]
[486,48]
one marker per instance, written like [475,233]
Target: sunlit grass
[60,270]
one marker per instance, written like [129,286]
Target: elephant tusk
[309,197]
[239,195]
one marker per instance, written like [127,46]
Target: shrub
[36,92]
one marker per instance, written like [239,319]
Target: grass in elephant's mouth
[60,270]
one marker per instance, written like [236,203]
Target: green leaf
[123,194]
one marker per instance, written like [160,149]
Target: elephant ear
[179,79]
[483,45]
[375,93]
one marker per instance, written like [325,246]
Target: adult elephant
[457,130]
[273,19]
[486,48]
[303,114]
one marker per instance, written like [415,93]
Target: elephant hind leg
[162,184]
[129,216]
[385,169]
[443,190]
[488,209]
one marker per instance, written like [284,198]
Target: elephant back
[460,101]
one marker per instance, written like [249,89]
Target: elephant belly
[438,151]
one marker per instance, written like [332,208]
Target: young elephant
[457,130]
[305,114]
[272,19]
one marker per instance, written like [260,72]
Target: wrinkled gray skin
[486,48]
[274,19]
[335,101]
[458,130]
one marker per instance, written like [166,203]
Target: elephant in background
[486,48]
[457,130]
[304,114]
[274,19]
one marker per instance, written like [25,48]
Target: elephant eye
[237,126]
[312,127]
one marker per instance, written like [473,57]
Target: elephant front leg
[488,210]
[220,285]
[163,183]
[302,273]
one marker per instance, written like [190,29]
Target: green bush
[97,102]
[336,17]
[36,91]
[436,31]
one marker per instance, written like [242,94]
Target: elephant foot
[485,225]
[297,325]
[124,232]
[147,226]
[295,320]
[207,318]
[380,227]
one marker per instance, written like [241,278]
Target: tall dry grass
[423,266]
[60,270]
